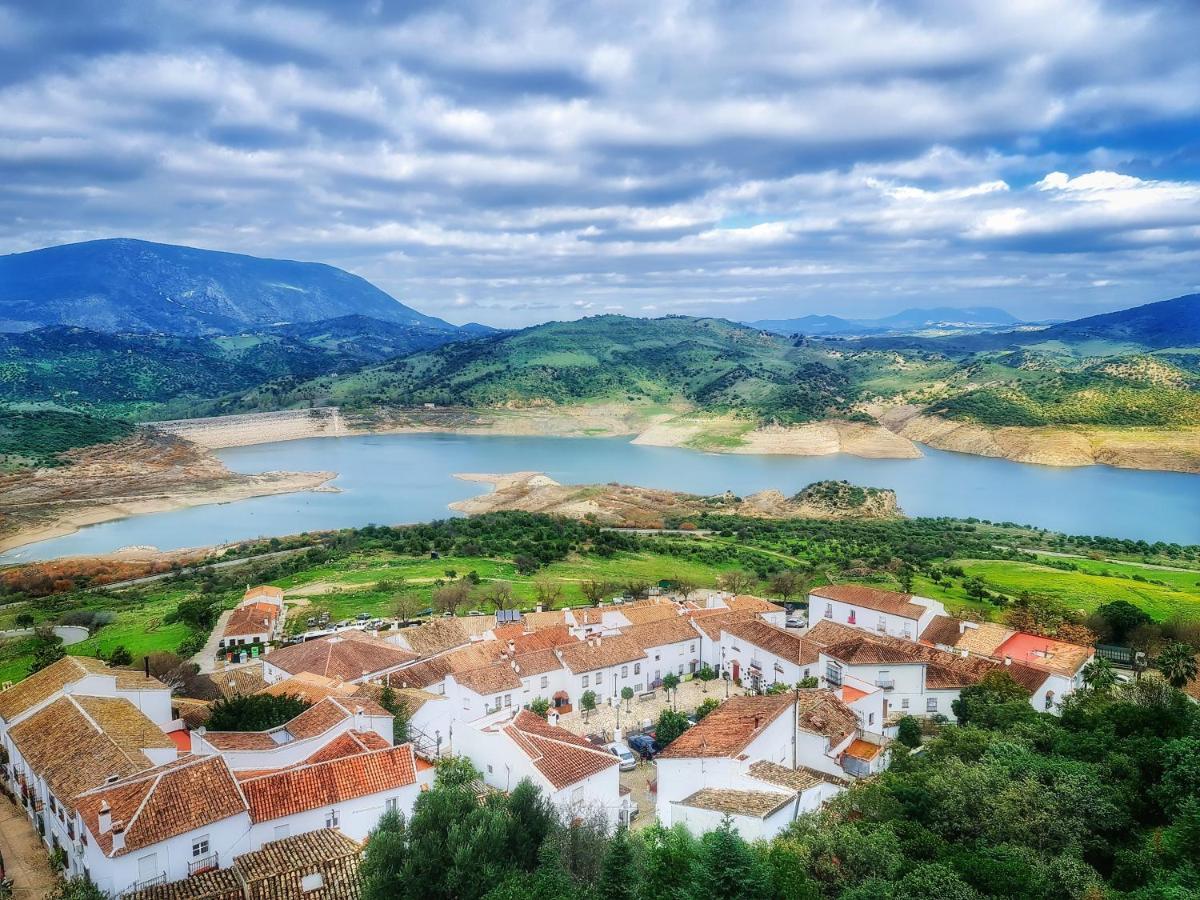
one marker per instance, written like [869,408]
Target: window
[148,867]
[313,882]
[870,718]
[624,671]
[908,630]
[833,673]
[904,703]
[1049,699]
[466,703]
[200,846]
[829,610]
[692,648]
[881,625]
[577,796]
[282,831]
[884,679]
[331,819]
[507,700]
[545,681]
[585,681]
[489,767]
[931,704]
[637,668]
[390,804]
[851,618]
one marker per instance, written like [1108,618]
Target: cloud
[539,160]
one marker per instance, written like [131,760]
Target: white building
[874,610]
[758,654]
[604,665]
[578,778]
[671,645]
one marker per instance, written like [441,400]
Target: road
[221,564]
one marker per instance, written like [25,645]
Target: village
[773,711]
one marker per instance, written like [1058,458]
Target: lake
[393,479]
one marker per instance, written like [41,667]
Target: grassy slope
[34,438]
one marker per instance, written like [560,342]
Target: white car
[625,755]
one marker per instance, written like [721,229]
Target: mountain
[365,339]
[123,285]
[1155,326]
[917,319]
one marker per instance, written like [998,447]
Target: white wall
[677,658]
[747,655]
[294,751]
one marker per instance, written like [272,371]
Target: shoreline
[902,431]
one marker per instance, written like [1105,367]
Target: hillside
[909,320]
[129,285]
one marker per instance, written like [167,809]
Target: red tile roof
[311,786]
[562,757]
[600,652]
[872,598]
[777,641]
[729,728]
[347,655]
[253,618]
[676,630]
[820,711]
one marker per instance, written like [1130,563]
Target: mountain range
[941,318]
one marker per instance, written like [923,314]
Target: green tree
[1100,675]
[46,652]
[995,701]
[77,888]
[533,820]
[384,859]
[588,702]
[670,683]
[908,732]
[254,712]
[728,867]
[1177,663]
[24,620]
[707,706]
[668,861]
[934,880]
[617,878]
[120,656]
[1115,621]
[706,674]
[400,713]
[670,725]
[539,706]
[627,696]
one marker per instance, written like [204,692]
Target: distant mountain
[123,285]
[1168,323]
[917,319]
[372,340]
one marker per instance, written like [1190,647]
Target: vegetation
[254,712]
[37,438]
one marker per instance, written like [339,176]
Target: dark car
[644,745]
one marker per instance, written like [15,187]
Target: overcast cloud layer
[511,163]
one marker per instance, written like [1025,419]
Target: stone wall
[257,428]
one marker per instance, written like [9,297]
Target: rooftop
[309,687]
[748,603]
[756,804]
[1044,653]
[729,728]
[980,638]
[251,618]
[348,655]
[562,757]
[777,641]
[820,711]
[600,652]
[675,630]
[42,685]
[800,779]
[863,750]
[872,598]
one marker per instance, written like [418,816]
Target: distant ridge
[916,319]
[124,285]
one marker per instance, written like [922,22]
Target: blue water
[392,479]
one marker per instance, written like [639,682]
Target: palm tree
[1100,676]
[1177,662]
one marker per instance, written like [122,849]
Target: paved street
[25,858]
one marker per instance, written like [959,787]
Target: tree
[450,597]
[547,591]
[1099,675]
[384,859]
[709,704]
[706,674]
[406,605]
[400,713]
[617,877]
[1115,621]
[120,656]
[668,861]
[737,582]
[532,820]
[526,565]
[499,594]
[627,696]
[994,701]
[24,620]
[684,586]
[254,712]
[670,725]
[670,683]
[1177,663]
[637,588]
[786,584]
[595,591]
[728,867]
[588,702]
[908,732]
[77,888]
[539,706]
[46,652]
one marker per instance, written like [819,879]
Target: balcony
[885,683]
[145,883]
[203,864]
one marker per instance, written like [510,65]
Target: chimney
[359,719]
[118,837]
[962,627]
[512,646]
[513,663]
[105,821]
[1008,660]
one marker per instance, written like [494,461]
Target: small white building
[604,665]
[758,654]
[578,778]
[871,609]
[671,645]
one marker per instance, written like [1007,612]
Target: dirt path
[206,659]
[25,856]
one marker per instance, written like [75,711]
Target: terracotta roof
[711,622]
[1044,653]
[773,773]
[827,632]
[548,619]
[528,641]
[412,698]
[316,720]
[311,786]
[489,679]
[276,871]
[347,655]
[347,744]
[253,618]
[647,611]
[163,802]
[42,685]
[820,712]
[777,641]
[234,681]
[562,757]
[193,713]
[860,749]
[216,884]
[756,804]
[434,636]
[729,728]
[867,650]
[598,653]
[748,603]
[676,630]
[872,598]
[263,590]
[309,687]
[66,744]
[980,638]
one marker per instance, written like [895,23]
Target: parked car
[625,755]
[363,617]
[645,745]
[793,622]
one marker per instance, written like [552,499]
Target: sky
[511,163]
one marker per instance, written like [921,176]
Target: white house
[759,654]
[507,683]
[741,760]
[605,665]
[671,645]
[874,610]
[578,778]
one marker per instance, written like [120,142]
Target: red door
[737,671]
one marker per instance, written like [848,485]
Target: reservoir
[404,478]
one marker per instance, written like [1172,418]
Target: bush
[257,712]
[908,732]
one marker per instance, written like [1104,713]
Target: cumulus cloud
[557,160]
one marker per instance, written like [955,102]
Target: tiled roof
[777,641]
[348,744]
[646,611]
[163,802]
[528,641]
[292,791]
[412,698]
[980,638]
[216,884]
[711,622]
[756,804]
[347,655]
[1044,653]
[193,713]
[748,603]
[729,728]
[860,749]
[434,636]
[42,685]
[871,598]
[820,712]
[827,632]
[263,590]
[676,630]
[276,871]
[773,773]
[598,653]
[69,748]
[316,720]
[234,681]
[548,619]
[253,618]
[309,687]
[867,650]
[562,757]
[490,679]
